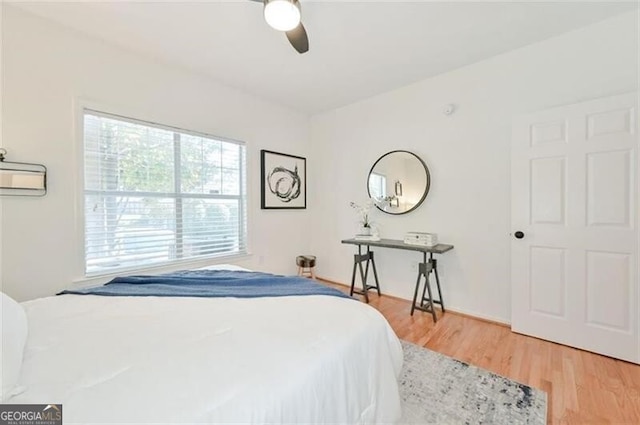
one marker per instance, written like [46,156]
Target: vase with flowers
[364,210]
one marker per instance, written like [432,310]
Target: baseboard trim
[454,310]
[480,317]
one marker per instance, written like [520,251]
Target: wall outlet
[261,260]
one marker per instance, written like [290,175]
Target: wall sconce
[398,188]
[21,178]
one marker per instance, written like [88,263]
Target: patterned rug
[437,389]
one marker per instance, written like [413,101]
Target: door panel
[574,195]
[609,123]
[548,190]
[608,284]
[608,188]
[548,132]
[548,280]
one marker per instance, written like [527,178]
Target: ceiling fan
[284,15]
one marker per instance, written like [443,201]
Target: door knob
[519,234]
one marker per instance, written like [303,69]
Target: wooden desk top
[441,248]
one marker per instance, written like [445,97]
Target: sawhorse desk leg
[427,303]
[358,259]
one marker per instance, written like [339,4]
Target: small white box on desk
[421,239]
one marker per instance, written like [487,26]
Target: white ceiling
[357,49]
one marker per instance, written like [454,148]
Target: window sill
[99,279]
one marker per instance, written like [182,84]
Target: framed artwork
[283,181]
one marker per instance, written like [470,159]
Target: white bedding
[305,359]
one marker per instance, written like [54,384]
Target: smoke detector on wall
[449,109]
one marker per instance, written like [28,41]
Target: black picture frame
[283,181]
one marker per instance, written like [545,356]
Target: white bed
[303,359]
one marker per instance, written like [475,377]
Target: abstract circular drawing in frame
[283,181]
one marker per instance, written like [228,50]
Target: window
[155,195]
[377,186]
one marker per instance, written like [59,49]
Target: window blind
[155,194]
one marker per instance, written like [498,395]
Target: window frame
[383,184]
[84,108]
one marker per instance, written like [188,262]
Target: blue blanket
[209,283]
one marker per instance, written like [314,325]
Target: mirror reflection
[398,182]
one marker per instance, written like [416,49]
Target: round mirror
[398,182]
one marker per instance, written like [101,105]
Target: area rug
[437,389]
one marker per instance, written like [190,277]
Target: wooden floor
[582,387]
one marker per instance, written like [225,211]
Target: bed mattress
[304,359]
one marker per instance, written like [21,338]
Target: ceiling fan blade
[298,38]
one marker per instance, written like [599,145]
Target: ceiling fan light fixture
[282,15]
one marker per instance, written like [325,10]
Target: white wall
[46,69]
[468,154]
[1,139]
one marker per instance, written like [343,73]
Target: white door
[574,195]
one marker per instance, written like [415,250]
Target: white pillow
[13,322]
